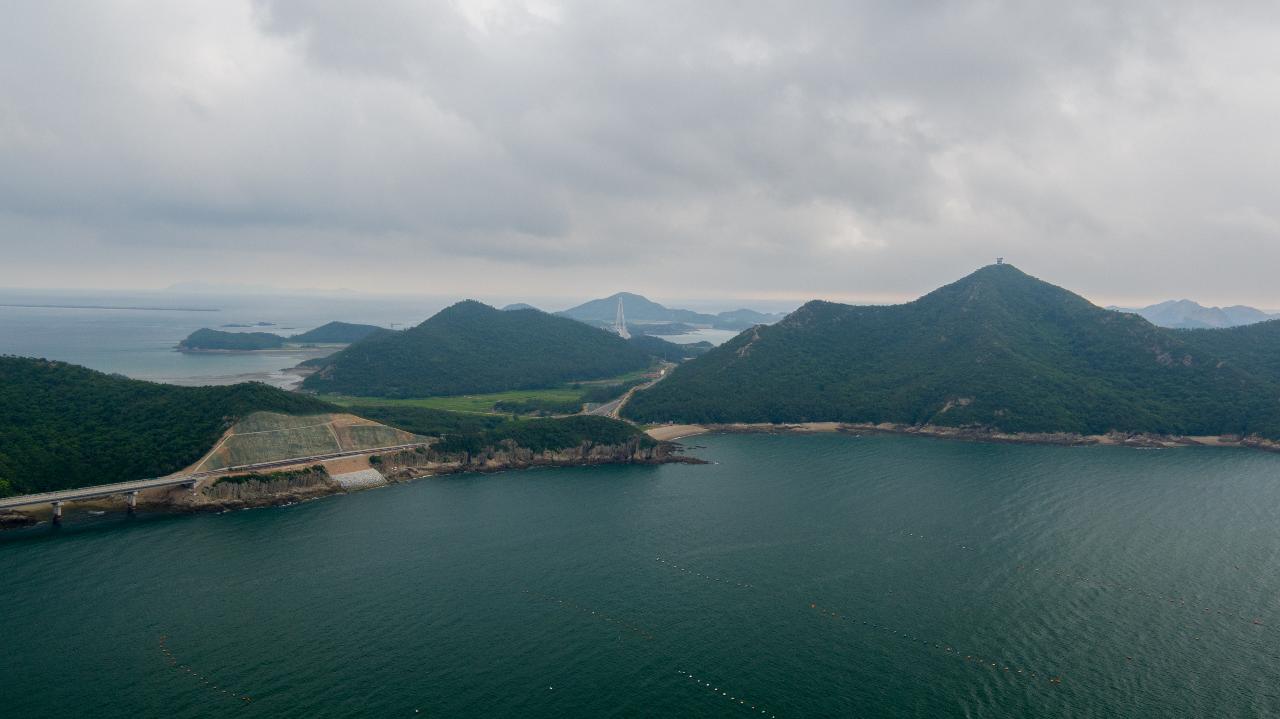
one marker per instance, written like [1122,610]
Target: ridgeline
[998,350]
[471,347]
[640,308]
[64,426]
[205,339]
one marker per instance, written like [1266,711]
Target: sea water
[795,576]
[136,334]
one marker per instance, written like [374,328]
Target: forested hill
[472,347]
[337,333]
[640,308]
[65,426]
[998,349]
[333,332]
[207,339]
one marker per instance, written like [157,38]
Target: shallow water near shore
[798,576]
[135,333]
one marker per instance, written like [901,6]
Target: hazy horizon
[553,303]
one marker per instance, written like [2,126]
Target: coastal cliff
[505,455]
[258,490]
[312,482]
[286,487]
[282,488]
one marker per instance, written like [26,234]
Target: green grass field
[472,403]
[483,403]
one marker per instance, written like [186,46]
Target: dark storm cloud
[848,149]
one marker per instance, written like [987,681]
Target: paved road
[608,409]
[104,490]
[611,409]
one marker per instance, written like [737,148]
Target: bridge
[131,489]
[620,323]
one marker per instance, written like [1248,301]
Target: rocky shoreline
[314,482]
[16,520]
[973,434]
[414,464]
[408,465]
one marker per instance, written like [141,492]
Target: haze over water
[1146,581]
[134,334]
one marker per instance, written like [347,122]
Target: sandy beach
[673,432]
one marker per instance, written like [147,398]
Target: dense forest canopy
[473,348]
[427,421]
[207,339]
[997,349]
[64,426]
[554,433]
[337,333]
[668,351]
[330,333]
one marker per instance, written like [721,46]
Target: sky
[859,151]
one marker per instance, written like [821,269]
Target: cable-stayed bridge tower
[620,323]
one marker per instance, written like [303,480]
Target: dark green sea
[797,576]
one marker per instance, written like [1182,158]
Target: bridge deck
[106,490]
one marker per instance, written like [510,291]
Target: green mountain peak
[998,349]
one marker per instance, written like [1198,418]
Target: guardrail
[135,486]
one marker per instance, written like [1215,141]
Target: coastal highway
[105,490]
[611,408]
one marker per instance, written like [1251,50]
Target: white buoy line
[586,611]
[700,575]
[180,668]
[724,693]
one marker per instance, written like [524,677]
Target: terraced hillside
[269,437]
[63,426]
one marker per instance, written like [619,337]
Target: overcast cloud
[871,151]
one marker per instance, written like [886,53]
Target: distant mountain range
[642,310]
[998,349]
[471,347]
[1185,314]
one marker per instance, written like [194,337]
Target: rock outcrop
[14,520]
[507,455]
[240,492]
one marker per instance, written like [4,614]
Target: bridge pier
[57,513]
[131,499]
